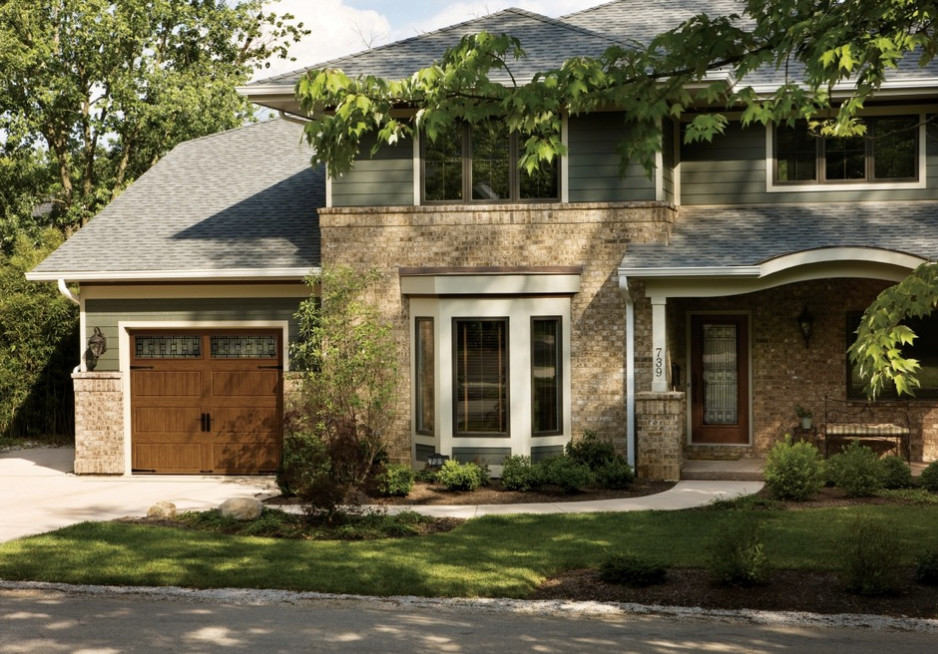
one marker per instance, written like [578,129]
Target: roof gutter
[232,274]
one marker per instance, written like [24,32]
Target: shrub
[396,480]
[615,474]
[869,554]
[519,474]
[457,476]
[930,477]
[567,474]
[857,470]
[794,471]
[590,450]
[307,471]
[895,472]
[737,555]
[426,475]
[926,567]
[629,569]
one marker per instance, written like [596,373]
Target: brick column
[99,423]
[660,421]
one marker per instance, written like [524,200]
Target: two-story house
[679,315]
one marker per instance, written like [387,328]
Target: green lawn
[505,556]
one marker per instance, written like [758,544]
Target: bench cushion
[866,429]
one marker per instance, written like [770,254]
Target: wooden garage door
[206,402]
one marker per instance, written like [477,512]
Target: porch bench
[844,422]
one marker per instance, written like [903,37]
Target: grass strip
[495,556]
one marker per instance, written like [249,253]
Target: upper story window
[889,152]
[480,164]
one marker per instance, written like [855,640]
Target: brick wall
[660,429]
[99,423]
[594,236]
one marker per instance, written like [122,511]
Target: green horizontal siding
[541,453]
[385,179]
[106,314]
[423,452]
[594,162]
[667,157]
[732,170]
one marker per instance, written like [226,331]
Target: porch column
[659,345]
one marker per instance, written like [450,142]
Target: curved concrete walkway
[39,493]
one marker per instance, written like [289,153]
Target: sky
[341,27]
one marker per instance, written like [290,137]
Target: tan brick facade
[99,423]
[591,236]
[660,432]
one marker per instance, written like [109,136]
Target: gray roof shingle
[721,237]
[244,199]
[547,43]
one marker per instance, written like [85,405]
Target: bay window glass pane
[796,154]
[545,373]
[540,184]
[443,167]
[895,147]
[426,367]
[481,368]
[491,162]
[845,158]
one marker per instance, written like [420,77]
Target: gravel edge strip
[559,608]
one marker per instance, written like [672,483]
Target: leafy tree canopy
[832,55]
[819,45]
[101,89]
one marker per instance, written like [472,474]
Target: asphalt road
[104,621]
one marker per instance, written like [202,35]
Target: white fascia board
[894,88]
[701,271]
[228,274]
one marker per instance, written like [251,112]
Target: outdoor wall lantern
[805,325]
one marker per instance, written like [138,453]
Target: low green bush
[456,476]
[857,470]
[396,480]
[629,569]
[930,477]
[896,473]
[794,471]
[590,450]
[869,551]
[519,474]
[737,555]
[426,475]
[567,474]
[615,474]
[926,567]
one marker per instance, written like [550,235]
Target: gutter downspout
[67,292]
[629,369]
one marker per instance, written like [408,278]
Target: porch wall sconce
[805,325]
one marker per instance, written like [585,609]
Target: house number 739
[659,363]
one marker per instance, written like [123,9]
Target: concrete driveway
[39,493]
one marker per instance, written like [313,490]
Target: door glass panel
[244,347]
[168,347]
[720,396]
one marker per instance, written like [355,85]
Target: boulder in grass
[162,511]
[241,508]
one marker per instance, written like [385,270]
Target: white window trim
[771,186]
[519,311]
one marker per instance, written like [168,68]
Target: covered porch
[746,315]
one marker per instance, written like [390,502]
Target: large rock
[162,510]
[241,508]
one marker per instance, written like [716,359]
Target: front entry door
[720,379]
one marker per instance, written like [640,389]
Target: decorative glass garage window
[481,367]
[426,379]
[545,376]
[185,346]
[244,347]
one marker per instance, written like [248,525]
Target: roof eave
[227,275]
